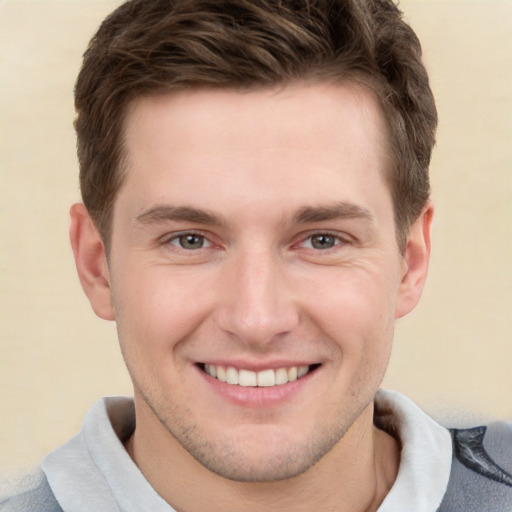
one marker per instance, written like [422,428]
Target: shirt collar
[93,471]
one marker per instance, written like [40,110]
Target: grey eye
[323,241]
[191,241]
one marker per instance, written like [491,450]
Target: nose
[257,304]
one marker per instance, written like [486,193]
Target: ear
[416,259]
[91,261]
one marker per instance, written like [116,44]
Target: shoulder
[481,475]
[30,494]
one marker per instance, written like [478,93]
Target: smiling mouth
[263,378]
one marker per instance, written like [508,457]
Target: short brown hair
[148,47]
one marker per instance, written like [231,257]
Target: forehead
[321,106]
[298,140]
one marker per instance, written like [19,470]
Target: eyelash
[206,242]
[177,236]
[338,240]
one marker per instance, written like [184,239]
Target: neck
[355,475]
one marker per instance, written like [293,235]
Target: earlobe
[91,261]
[416,260]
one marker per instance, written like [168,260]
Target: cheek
[154,312]
[354,298]
[356,311]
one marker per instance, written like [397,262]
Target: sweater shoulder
[30,494]
[481,474]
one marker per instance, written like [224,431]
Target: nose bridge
[258,304]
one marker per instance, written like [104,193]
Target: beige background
[452,355]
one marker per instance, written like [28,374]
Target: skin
[257,178]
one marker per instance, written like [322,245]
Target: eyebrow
[307,214]
[338,210]
[163,213]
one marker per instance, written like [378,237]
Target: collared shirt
[93,471]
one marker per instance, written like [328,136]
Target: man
[256,216]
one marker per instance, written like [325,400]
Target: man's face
[254,237]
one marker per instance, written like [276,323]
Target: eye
[322,241]
[189,241]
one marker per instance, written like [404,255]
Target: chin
[271,468]
[264,454]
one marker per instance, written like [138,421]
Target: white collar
[93,471]
[425,459]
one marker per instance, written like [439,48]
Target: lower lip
[257,397]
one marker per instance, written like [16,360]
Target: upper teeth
[269,377]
